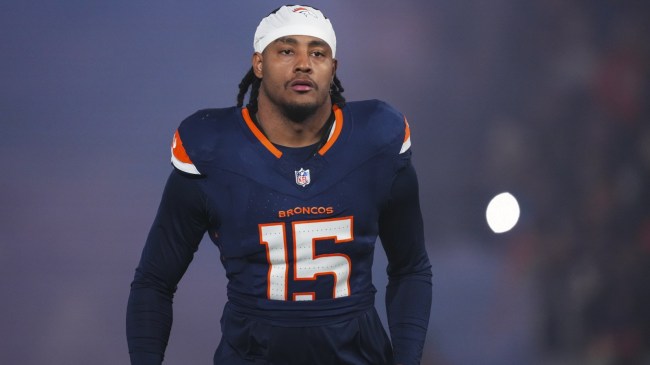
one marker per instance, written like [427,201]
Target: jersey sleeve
[173,239]
[408,294]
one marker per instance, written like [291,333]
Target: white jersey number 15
[307,265]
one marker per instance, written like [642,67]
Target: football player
[293,188]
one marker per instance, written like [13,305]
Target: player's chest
[235,199]
[294,202]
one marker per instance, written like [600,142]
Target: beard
[298,113]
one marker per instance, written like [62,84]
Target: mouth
[302,85]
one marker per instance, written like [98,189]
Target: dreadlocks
[253,82]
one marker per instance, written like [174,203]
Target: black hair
[253,82]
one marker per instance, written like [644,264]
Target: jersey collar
[331,139]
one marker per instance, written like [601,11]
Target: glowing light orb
[502,213]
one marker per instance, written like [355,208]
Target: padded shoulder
[198,136]
[382,124]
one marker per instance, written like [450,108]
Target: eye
[286,52]
[318,54]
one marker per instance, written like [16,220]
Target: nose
[303,62]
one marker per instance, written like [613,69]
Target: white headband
[294,20]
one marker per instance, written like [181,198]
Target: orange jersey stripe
[338,126]
[259,135]
[407,130]
[178,150]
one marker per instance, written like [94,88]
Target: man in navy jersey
[293,188]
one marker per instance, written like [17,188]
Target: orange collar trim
[336,130]
[259,135]
[334,134]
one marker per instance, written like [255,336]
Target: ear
[257,64]
[335,64]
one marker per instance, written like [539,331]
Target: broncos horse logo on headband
[305,11]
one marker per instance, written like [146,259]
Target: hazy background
[546,99]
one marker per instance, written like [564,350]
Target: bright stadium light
[502,213]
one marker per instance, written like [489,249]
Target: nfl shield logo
[302,177]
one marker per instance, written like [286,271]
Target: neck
[281,129]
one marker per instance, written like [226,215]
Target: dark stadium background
[546,99]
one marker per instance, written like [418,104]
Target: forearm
[408,303]
[148,323]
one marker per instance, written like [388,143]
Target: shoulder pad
[197,137]
[384,123]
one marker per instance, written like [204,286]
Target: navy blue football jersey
[289,228]
[296,227]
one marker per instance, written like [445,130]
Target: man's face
[296,73]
